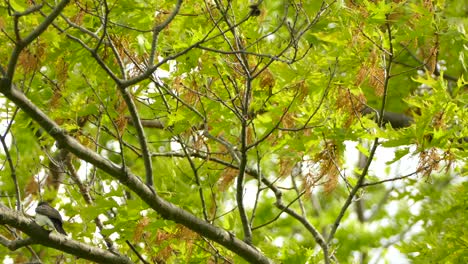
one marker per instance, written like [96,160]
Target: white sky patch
[114,236]
[113,145]
[97,237]
[77,220]
[8,260]
[390,256]
[279,241]
[175,146]
[415,207]
[115,185]
[40,177]
[368,212]
[378,167]
[104,153]
[161,73]
[144,212]
[392,208]
[152,88]
[385,222]
[84,169]
[394,257]
[105,187]
[351,154]
[298,237]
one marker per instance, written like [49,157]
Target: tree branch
[15,244]
[22,43]
[157,30]
[38,235]
[13,173]
[141,135]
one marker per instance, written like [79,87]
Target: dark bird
[254,10]
[46,215]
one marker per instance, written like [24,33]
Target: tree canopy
[227,131]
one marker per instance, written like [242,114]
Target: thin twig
[389,180]
[197,178]
[136,252]
[283,209]
[13,173]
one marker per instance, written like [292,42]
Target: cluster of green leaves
[443,216]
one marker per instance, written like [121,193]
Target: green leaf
[399,153]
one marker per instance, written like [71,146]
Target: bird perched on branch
[46,215]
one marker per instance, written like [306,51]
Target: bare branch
[391,179]
[197,178]
[30,10]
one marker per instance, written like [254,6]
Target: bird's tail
[59,228]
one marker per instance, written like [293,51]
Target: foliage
[443,217]
[227,131]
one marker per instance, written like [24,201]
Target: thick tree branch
[38,235]
[15,244]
